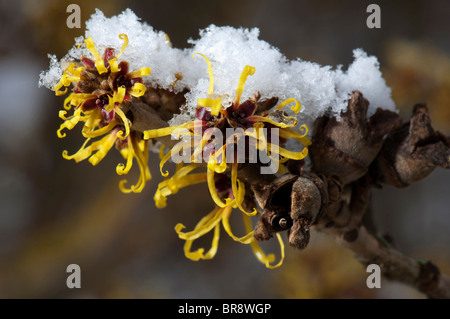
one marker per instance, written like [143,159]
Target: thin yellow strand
[248,70]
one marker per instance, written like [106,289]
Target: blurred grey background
[54,212]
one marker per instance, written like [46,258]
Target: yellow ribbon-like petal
[126,123]
[124,37]
[267,260]
[289,133]
[103,146]
[214,104]
[99,63]
[173,185]
[239,192]
[246,239]
[248,70]
[213,191]
[210,73]
[204,226]
[70,122]
[287,154]
[180,179]
[199,253]
[122,169]
[296,107]
[140,152]
[168,130]
[71,74]
[87,132]
[113,65]
[138,90]
[140,73]
[293,121]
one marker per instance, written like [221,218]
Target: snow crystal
[52,76]
[364,75]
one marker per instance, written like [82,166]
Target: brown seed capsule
[346,147]
[411,152]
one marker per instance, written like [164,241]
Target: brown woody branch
[349,157]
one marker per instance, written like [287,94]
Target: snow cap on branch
[320,89]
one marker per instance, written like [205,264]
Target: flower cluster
[102,85]
[227,192]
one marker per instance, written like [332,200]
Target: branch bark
[424,276]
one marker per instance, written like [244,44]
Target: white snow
[320,89]
[364,75]
[51,77]
[146,48]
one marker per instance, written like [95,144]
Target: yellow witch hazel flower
[208,139]
[101,85]
[212,221]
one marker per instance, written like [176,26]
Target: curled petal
[62,115]
[168,40]
[246,239]
[199,253]
[92,120]
[275,149]
[289,133]
[71,74]
[204,226]
[124,37]
[87,132]
[126,123]
[77,99]
[180,179]
[210,73]
[175,150]
[99,63]
[159,132]
[213,192]
[141,154]
[287,121]
[122,169]
[80,155]
[213,162]
[116,99]
[239,192]
[138,90]
[248,70]
[296,107]
[171,186]
[70,122]
[257,133]
[161,151]
[258,252]
[103,146]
